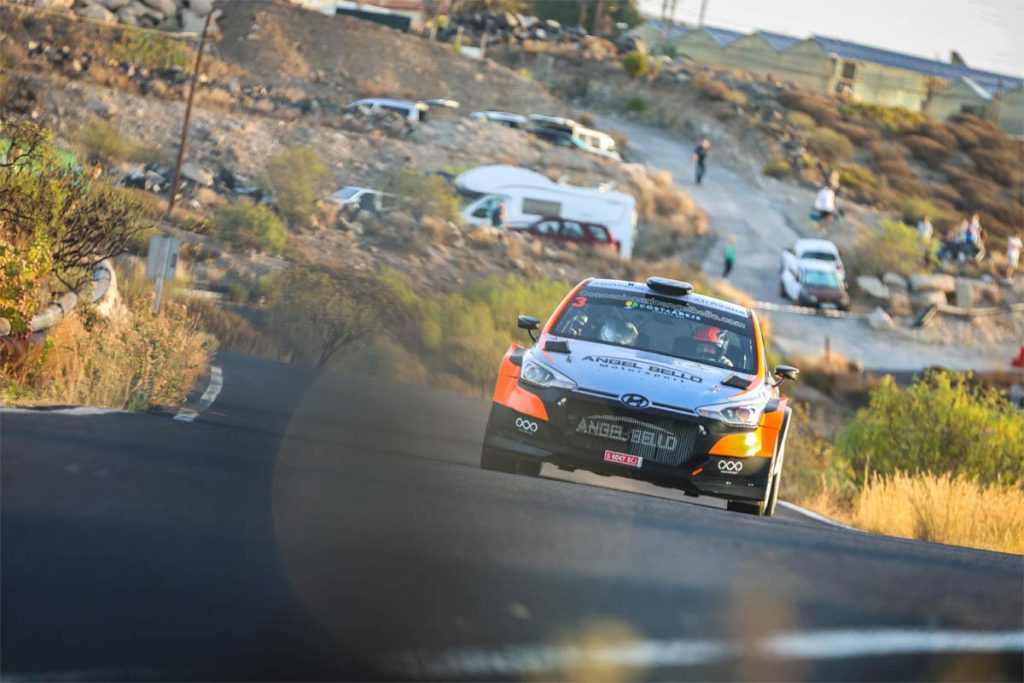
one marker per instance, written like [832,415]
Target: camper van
[529,197]
[568,133]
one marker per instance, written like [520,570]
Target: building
[861,72]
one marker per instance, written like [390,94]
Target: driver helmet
[619,332]
[710,343]
[576,323]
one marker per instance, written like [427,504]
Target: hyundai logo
[634,401]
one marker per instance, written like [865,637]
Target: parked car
[502,117]
[816,250]
[355,199]
[566,230]
[813,283]
[568,133]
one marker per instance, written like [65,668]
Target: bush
[829,145]
[635,64]
[232,331]
[859,181]
[424,195]
[822,109]
[587,119]
[938,132]
[636,104]
[1002,165]
[914,208]
[129,363]
[799,119]
[151,50]
[893,247]
[103,140]
[860,135]
[297,178]
[777,168]
[926,149]
[892,119]
[251,226]
[941,424]
[716,90]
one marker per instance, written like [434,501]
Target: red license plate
[623,459]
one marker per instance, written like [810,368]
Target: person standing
[825,205]
[499,215]
[700,159]
[924,229]
[1013,249]
[730,256]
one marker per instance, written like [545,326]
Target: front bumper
[696,471]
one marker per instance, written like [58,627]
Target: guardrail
[95,291]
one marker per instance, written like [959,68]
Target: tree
[297,178]
[56,223]
[424,195]
[316,313]
[251,225]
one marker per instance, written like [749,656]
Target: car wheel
[528,468]
[497,462]
[782,290]
[746,508]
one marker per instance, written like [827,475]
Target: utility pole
[188,114]
[703,11]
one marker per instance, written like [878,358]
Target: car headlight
[540,375]
[738,414]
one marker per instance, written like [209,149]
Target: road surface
[763,221]
[314,526]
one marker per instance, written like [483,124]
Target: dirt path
[764,216]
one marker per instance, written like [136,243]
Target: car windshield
[660,325]
[821,278]
[818,256]
[347,192]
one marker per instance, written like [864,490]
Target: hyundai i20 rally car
[649,381]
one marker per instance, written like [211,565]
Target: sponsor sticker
[623,459]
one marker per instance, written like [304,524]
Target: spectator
[924,229]
[825,205]
[1013,249]
[700,159]
[730,256]
[499,215]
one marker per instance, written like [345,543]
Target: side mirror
[784,372]
[528,323]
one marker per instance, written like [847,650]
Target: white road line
[208,397]
[82,411]
[818,518]
[526,660]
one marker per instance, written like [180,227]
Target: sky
[989,34]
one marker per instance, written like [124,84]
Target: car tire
[782,290]
[497,462]
[528,468]
[746,508]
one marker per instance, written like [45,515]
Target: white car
[353,199]
[413,111]
[805,251]
[503,117]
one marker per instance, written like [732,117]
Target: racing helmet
[709,343]
[617,331]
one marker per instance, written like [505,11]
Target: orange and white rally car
[649,381]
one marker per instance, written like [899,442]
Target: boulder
[168,8]
[937,282]
[114,5]
[880,320]
[197,174]
[97,13]
[55,4]
[126,16]
[872,287]
[201,7]
[928,298]
[899,304]
[964,292]
[895,281]
[191,22]
[141,11]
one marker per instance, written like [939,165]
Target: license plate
[623,459]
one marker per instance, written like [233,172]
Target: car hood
[614,370]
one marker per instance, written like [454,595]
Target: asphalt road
[329,526]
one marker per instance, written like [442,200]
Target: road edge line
[206,400]
[818,517]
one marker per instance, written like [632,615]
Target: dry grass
[233,332]
[132,363]
[938,508]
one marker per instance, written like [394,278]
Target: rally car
[650,381]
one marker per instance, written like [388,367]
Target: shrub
[893,247]
[822,108]
[424,195]
[587,119]
[636,104]
[130,363]
[777,168]
[1002,165]
[893,119]
[151,50]
[860,181]
[938,132]
[250,225]
[799,119]
[941,424]
[913,208]
[986,133]
[635,64]
[103,140]
[715,90]
[926,149]
[297,178]
[829,145]
[232,331]
[860,135]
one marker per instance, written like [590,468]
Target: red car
[565,230]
